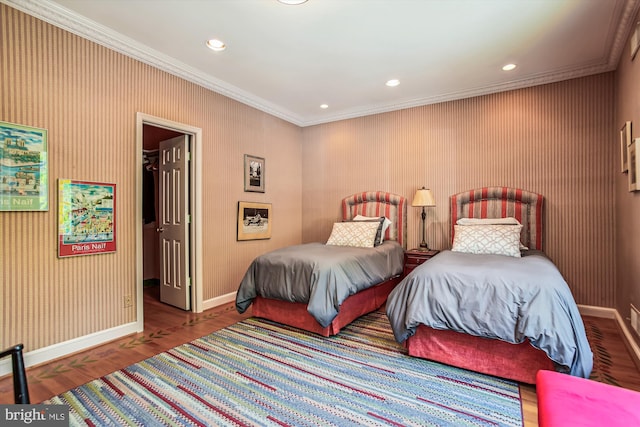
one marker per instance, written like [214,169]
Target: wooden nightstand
[415,257]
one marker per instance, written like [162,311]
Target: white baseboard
[222,299]
[75,345]
[47,354]
[628,336]
[590,310]
[612,313]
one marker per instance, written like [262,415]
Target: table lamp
[424,198]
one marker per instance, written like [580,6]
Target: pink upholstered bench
[566,401]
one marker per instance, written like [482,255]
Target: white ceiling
[287,60]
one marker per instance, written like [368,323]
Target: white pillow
[487,221]
[360,234]
[496,239]
[385,224]
[490,221]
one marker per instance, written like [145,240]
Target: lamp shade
[423,197]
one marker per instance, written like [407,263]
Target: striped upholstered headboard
[502,202]
[380,203]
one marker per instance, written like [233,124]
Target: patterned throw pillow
[491,221]
[487,239]
[386,222]
[361,234]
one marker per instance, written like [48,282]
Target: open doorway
[151,242]
[151,222]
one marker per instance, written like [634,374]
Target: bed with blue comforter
[498,297]
[494,303]
[322,287]
[318,275]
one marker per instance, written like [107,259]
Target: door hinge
[188,219]
[189,156]
[189,281]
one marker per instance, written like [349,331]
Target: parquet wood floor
[612,364]
[166,327]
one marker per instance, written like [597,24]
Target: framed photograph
[635,41]
[24,180]
[625,140]
[86,218]
[254,221]
[254,173]
[634,167]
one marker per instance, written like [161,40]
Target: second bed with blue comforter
[494,296]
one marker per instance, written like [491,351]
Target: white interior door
[173,227]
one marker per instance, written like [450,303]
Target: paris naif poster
[86,218]
[23,168]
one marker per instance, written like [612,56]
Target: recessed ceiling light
[393,83]
[217,45]
[292,1]
[324,106]
[509,67]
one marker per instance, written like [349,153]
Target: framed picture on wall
[254,221]
[625,140]
[86,218]
[634,165]
[24,180]
[254,172]
[635,41]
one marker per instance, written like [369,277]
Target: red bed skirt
[518,362]
[296,314]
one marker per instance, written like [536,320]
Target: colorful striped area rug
[258,373]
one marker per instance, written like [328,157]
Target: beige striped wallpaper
[557,140]
[554,139]
[87,97]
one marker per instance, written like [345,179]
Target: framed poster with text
[24,182]
[86,218]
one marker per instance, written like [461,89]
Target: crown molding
[70,21]
[464,94]
[61,17]
[625,27]
[617,42]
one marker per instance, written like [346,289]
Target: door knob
[160,229]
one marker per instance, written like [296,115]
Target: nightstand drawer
[414,260]
[415,257]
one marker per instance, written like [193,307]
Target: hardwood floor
[167,327]
[612,364]
[164,327]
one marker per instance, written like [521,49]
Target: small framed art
[625,140]
[254,171]
[635,41]
[634,165]
[86,218]
[24,177]
[254,221]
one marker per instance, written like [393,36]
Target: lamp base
[423,246]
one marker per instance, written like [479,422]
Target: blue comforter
[494,296]
[322,276]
